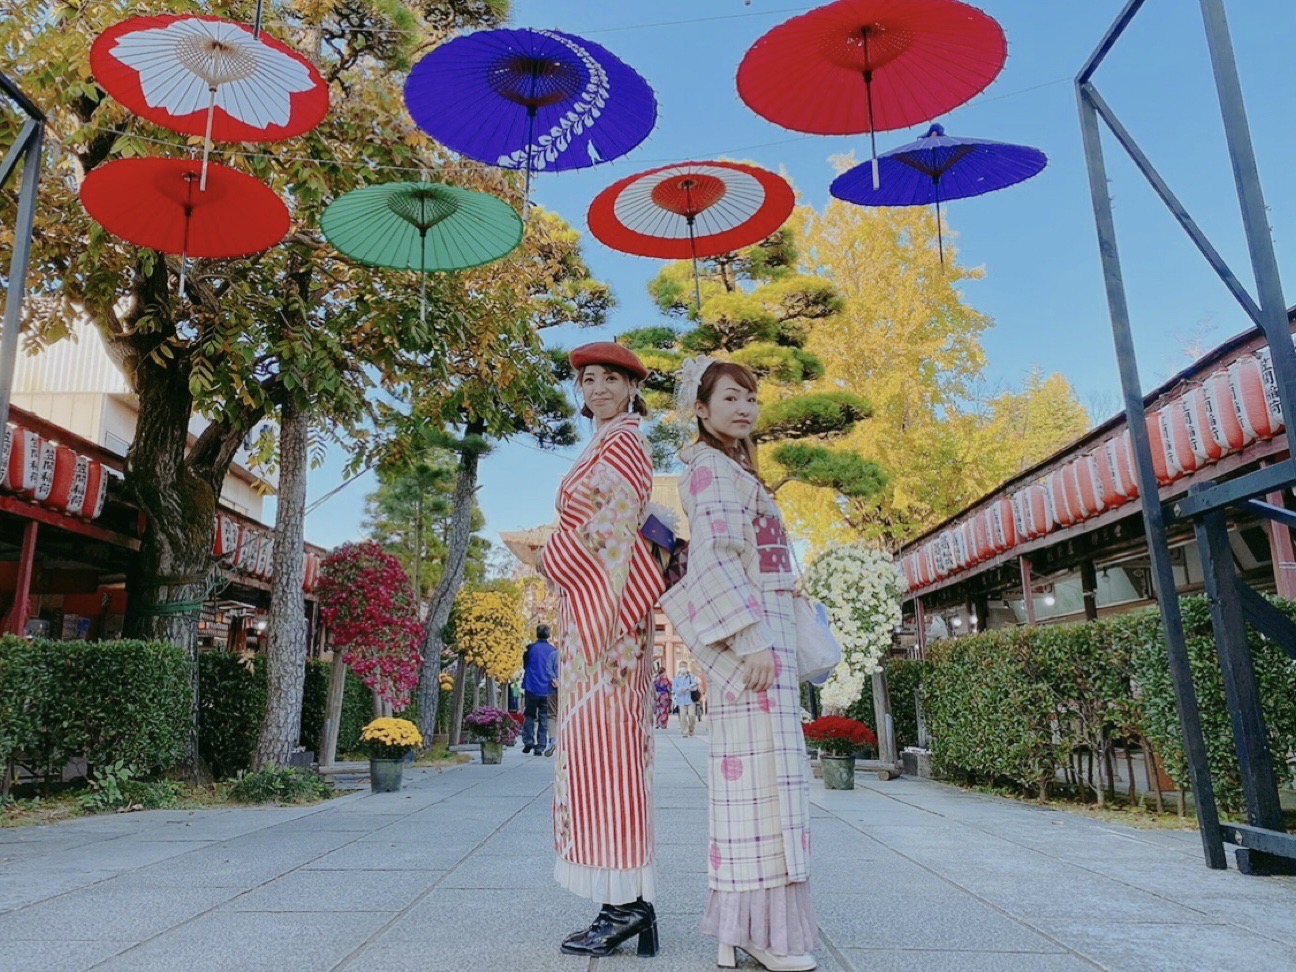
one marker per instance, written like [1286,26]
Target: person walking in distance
[539,682]
[662,703]
[684,687]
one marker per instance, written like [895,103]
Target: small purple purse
[671,552]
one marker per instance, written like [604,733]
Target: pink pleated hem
[776,920]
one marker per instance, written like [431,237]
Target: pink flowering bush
[490,724]
[365,600]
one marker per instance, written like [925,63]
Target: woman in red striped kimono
[607,581]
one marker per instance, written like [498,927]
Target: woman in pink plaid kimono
[607,582]
[734,608]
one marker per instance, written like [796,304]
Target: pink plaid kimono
[607,581]
[736,599]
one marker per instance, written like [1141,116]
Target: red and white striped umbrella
[691,210]
[209,76]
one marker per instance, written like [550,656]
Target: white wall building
[76,385]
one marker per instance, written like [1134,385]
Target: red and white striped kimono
[608,582]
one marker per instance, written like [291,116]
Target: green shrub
[116,786]
[232,700]
[989,718]
[279,785]
[112,702]
[357,709]
[1144,638]
[231,704]
[1014,705]
[903,678]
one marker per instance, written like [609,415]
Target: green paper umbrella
[422,226]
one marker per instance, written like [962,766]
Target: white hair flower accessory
[687,383]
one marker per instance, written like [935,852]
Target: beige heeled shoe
[773,963]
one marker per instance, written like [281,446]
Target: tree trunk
[457,703]
[167,580]
[333,712]
[443,598]
[418,554]
[281,727]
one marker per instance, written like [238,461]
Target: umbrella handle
[207,138]
[530,139]
[697,280]
[422,276]
[868,94]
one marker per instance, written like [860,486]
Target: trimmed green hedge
[108,701]
[903,678]
[1014,705]
[128,702]
[232,699]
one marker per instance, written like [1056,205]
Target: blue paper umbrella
[534,100]
[938,168]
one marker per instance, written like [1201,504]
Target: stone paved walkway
[453,873]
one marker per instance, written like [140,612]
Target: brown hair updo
[745,452]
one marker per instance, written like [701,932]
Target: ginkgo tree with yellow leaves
[907,337]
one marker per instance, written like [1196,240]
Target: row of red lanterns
[1234,407]
[54,475]
[250,550]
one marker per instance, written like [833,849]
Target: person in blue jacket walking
[539,682]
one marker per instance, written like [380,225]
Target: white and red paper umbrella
[209,76]
[691,210]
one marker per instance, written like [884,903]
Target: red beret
[608,353]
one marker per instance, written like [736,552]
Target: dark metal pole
[28,106]
[1153,517]
[1109,41]
[1172,203]
[32,157]
[1246,175]
[16,150]
[1259,783]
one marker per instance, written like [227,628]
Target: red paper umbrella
[211,77]
[691,210]
[157,203]
[871,65]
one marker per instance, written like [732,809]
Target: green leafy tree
[291,332]
[409,515]
[907,337]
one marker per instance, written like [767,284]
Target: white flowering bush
[861,588]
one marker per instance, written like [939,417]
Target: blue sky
[1043,283]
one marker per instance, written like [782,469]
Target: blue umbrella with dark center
[534,100]
[938,168]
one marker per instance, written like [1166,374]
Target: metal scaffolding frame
[1264,846]
[28,150]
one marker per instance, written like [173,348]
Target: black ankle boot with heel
[615,925]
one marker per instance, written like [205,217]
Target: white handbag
[817,651]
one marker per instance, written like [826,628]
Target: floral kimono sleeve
[723,603]
[591,557]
